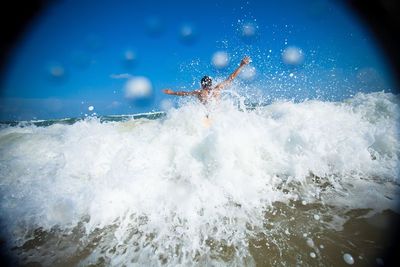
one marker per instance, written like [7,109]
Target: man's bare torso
[205,95]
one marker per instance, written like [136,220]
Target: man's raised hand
[168,91]
[246,60]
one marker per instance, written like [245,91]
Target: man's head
[206,82]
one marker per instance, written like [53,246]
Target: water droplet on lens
[249,30]
[166,104]
[348,258]
[248,73]
[220,59]
[310,242]
[130,55]
[138,87]
[129,58]
[187,34]
[154,26]
[57,71]
[292,56]
[380,262]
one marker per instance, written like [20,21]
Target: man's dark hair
[206,82]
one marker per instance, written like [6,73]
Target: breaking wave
[182,189]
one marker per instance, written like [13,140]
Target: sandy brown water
[296,237]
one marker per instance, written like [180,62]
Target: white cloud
[121,76]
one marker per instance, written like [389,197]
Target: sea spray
[172,191]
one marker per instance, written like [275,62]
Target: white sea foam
[174,191]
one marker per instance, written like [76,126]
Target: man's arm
[181,93]
[245,61]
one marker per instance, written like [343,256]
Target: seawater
[285,184]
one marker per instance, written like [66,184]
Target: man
[207,91]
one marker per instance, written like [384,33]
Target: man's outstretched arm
[181,93]
[245,61]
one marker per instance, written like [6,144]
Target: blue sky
[78,54]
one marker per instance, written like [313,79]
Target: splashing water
[267,186]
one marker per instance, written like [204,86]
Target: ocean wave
[187,189]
